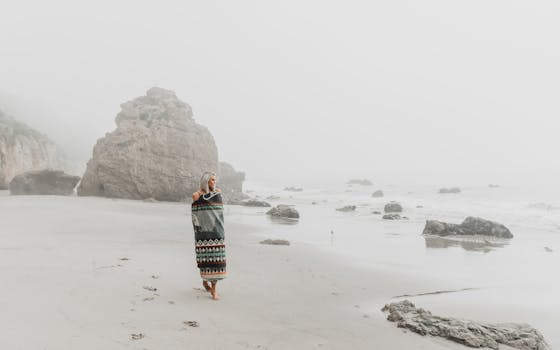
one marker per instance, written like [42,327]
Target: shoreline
[67,286]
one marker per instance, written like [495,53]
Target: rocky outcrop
[157,151]
[363,182]
[284,211]
[230,181]
[393,207]
[44,182]
[469,333]
[23,149]
[377,194]
[449,190]
[470,226]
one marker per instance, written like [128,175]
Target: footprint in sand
[151,289]
[138,336]
[191,323]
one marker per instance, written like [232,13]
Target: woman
[208,221]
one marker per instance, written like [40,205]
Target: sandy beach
[74,272]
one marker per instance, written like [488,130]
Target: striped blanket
[208,223]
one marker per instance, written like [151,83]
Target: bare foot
[207,286]
[214,292]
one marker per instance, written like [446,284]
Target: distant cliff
[23,148]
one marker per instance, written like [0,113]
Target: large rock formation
[23,148]
[469,226]
[469,333]
[44,182]
[157,151]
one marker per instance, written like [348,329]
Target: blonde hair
[204,181]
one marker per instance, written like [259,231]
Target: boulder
[393,207]
[23,149]
[469,333]
[449,190]
[157,151]
[377,194]
[284,211]
[44,182]
[470,226]
[347,208]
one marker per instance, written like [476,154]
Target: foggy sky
[443,92]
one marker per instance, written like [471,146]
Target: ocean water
[515,280]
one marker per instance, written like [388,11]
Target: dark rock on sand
[377,194]
[293,189]
[254,203]
[363,182]
[469,333]
[347,208]
[275,242]
[394,216]
[393,207]
[284,211]
[450,190]
[470,226]
[376,212]
[44,182]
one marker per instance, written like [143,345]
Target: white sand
[65,287]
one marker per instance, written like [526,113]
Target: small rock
[547,249]
[363,182]
[191,323]
[394,216]
[285,211]
[393,207]
[254,203]
[377,194]
[377,212]
[275,242]
[449,190]
[151,289]
[347,208]
[293,189]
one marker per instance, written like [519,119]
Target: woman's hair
[204,180]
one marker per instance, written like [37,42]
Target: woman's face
[212,182]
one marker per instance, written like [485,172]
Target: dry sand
[74,271]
